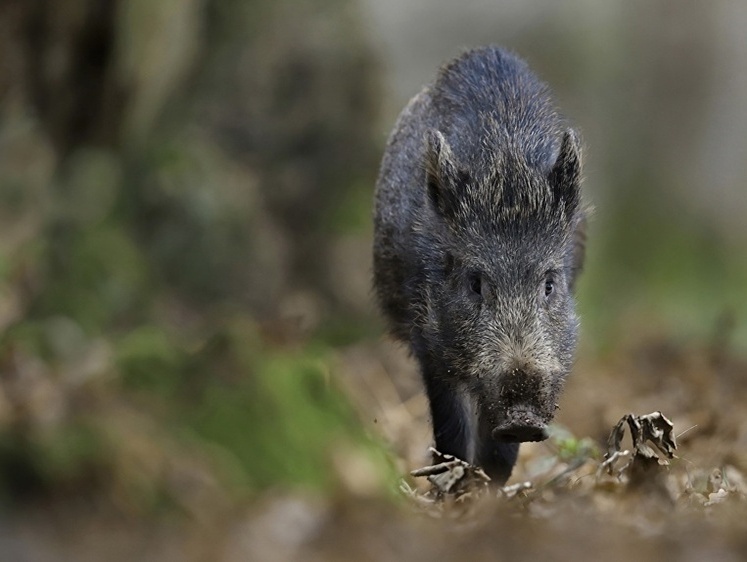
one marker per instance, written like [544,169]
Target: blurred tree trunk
[58,57]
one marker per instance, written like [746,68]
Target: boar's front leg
[497,460]
[451,426]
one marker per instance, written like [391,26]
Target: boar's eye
[474,282]
[549,285]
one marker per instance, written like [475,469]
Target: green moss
[284,422]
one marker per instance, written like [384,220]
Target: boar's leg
[451,429]
[497,460]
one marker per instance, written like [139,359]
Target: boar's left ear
[578,252]
[565,176]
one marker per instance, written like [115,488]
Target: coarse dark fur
[479,237]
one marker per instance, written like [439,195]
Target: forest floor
[559,504]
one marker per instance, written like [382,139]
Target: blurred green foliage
[282,424]
[161,214]
[654,269]
[569,448]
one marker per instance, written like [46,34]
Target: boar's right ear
[441,174]
[565,176]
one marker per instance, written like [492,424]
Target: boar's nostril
[519,432]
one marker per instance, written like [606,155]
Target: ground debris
[515,490]
[453,476]
[648,480]
[461,492]
[646,470]
[652,428]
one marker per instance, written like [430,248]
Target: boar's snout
[523,408]
[519,427]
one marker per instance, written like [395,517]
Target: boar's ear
[565,175]
[579,251]
[440,173]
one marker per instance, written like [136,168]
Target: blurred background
[185,232]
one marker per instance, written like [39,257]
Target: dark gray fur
[478,242]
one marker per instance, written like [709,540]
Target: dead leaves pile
[649,474]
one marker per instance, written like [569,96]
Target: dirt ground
[692,508]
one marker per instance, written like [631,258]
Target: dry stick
[688,429]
